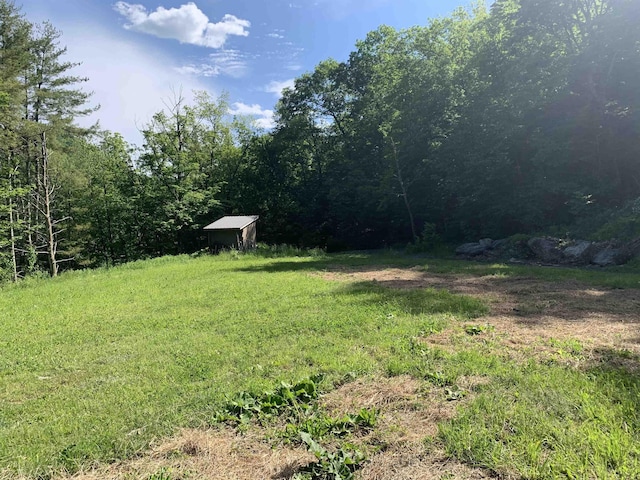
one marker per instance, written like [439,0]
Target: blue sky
[137,54]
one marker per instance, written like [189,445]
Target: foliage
[478,329]
[623,224]
[484,124]
[338,465]
[516,118]
[306,423]
[321,426]
[294,400]
[429,241]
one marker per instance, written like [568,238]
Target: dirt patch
[410,411]
[529,311]
[418,463]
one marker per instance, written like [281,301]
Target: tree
[52,102]
[14,44]
[185,149]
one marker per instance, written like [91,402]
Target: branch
[66,260]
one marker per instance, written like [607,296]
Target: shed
[232,232]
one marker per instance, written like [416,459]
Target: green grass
[585,425]
[94,365]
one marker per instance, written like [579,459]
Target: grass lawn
[96,365]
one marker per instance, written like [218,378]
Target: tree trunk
[48,190]
[12,235]
[403,188]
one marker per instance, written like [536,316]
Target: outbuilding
[237,232]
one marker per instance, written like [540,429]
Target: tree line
[522,117]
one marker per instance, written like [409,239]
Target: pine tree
[52,102]
[14,57]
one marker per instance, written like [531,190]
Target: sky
[139,54]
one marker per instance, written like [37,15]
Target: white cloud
[275,35]
[265,117]
[201,70]
[187,24]
[232,63]
[265,123]
[129,82]
[276,87]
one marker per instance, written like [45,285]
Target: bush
[429,240]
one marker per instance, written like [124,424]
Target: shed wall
[249,236]
[239,239]
[224,239]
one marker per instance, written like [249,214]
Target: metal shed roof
[232,222]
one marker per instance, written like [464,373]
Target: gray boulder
[634,247]
[471,249]
[487,243]
[580,251]
[545,249]
[611,256]
[499,244]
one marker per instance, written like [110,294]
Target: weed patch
[306,424]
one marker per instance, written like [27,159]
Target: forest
[518,118]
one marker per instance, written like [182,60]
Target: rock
[581,251]
[553,251]
[545,249]
[634,247]
[498,244]
[611,256]
[471,249]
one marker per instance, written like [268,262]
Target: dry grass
[399,445]
[530,312]
[409,415]
[208,454]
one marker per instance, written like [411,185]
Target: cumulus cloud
[187,24]
[277,87]
[264,117]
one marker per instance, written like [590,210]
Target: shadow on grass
[624,362]
[531,301]
[612,277]
[416,301]
[334,262]
[533,296]
[286,266]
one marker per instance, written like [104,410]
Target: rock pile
[554,251]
